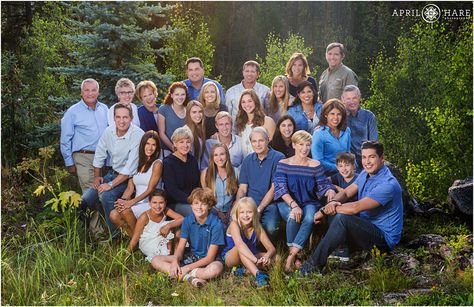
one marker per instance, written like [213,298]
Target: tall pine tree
[122,39]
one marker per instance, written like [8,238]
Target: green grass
[53,264]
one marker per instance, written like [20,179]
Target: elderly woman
[125,91]
[148,112]
[180,172]
[306,108]
[301,184]
[332,136]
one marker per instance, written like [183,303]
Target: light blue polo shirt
[384,188]
[200,237]
[258,174]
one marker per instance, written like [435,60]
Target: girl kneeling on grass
[152,231]
[242,236]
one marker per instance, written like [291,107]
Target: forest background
[414,75]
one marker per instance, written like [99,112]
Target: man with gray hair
[256,179]
[362,122]
[81,127]
[337,75]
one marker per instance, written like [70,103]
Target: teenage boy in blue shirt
[205,234]
[379,208]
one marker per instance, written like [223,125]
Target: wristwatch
[321,210]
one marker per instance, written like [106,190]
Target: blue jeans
[359,232]
[297,233]
[91,198]
[270,219]
[182,208]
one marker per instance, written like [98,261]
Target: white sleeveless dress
[141,181]
[153,244]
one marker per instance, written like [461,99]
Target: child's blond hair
[247,201]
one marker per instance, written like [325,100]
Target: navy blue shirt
[148,121]
[180,178]
[200,237]
[258,174]
[338,180]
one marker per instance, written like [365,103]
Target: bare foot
[289,263]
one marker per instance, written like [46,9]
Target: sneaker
[239,271]
[261,279]
[341,254]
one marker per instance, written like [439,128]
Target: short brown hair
[334,45]
[123,106]
[252,63]
[204,195]
[345,156]
[194,60]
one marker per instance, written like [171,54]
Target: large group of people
[203,180]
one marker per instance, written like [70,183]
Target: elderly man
[256,179]
[81,128]
[361,122]
[120,142]
[337,75]
[375,219]
[226,137]
[195,81]
[250,72]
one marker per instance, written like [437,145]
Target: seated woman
[149,170]
[172,114]
[297,70]
[305,109]
[332,137]
[195,123]
[279,99]
[251,115]
[301,184]
[221,178]
[180,172]
[211,101]
[282,138]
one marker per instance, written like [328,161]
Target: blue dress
[250,242]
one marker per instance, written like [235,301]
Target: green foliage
[423,102]
[123,40]
[192,39]
[278,53]
[438,297]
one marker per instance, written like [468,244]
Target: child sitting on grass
[205,234]
[242,237]
[345,176]
[153,231]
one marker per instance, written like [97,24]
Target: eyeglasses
[126,93]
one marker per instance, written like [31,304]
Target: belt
[110,169]
[86,151]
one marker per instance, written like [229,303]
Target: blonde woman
[211,101]
[251,115]
[279,99]
[297,70]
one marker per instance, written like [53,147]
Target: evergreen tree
[122,39]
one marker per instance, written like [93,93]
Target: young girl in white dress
[153,231]
[128,210]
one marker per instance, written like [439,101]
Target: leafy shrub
[278,52]
[422,98]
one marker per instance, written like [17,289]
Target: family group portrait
[236,153]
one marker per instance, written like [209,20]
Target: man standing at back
[195,81]
[250,72]
[81,128]
[361,122]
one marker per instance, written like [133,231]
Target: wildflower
[174,294]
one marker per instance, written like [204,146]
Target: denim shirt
[302,121]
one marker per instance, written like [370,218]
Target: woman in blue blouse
[332,136]
[300,182]
[305,109]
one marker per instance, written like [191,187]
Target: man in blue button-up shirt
[81,128]
[361,122]
[195,81]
